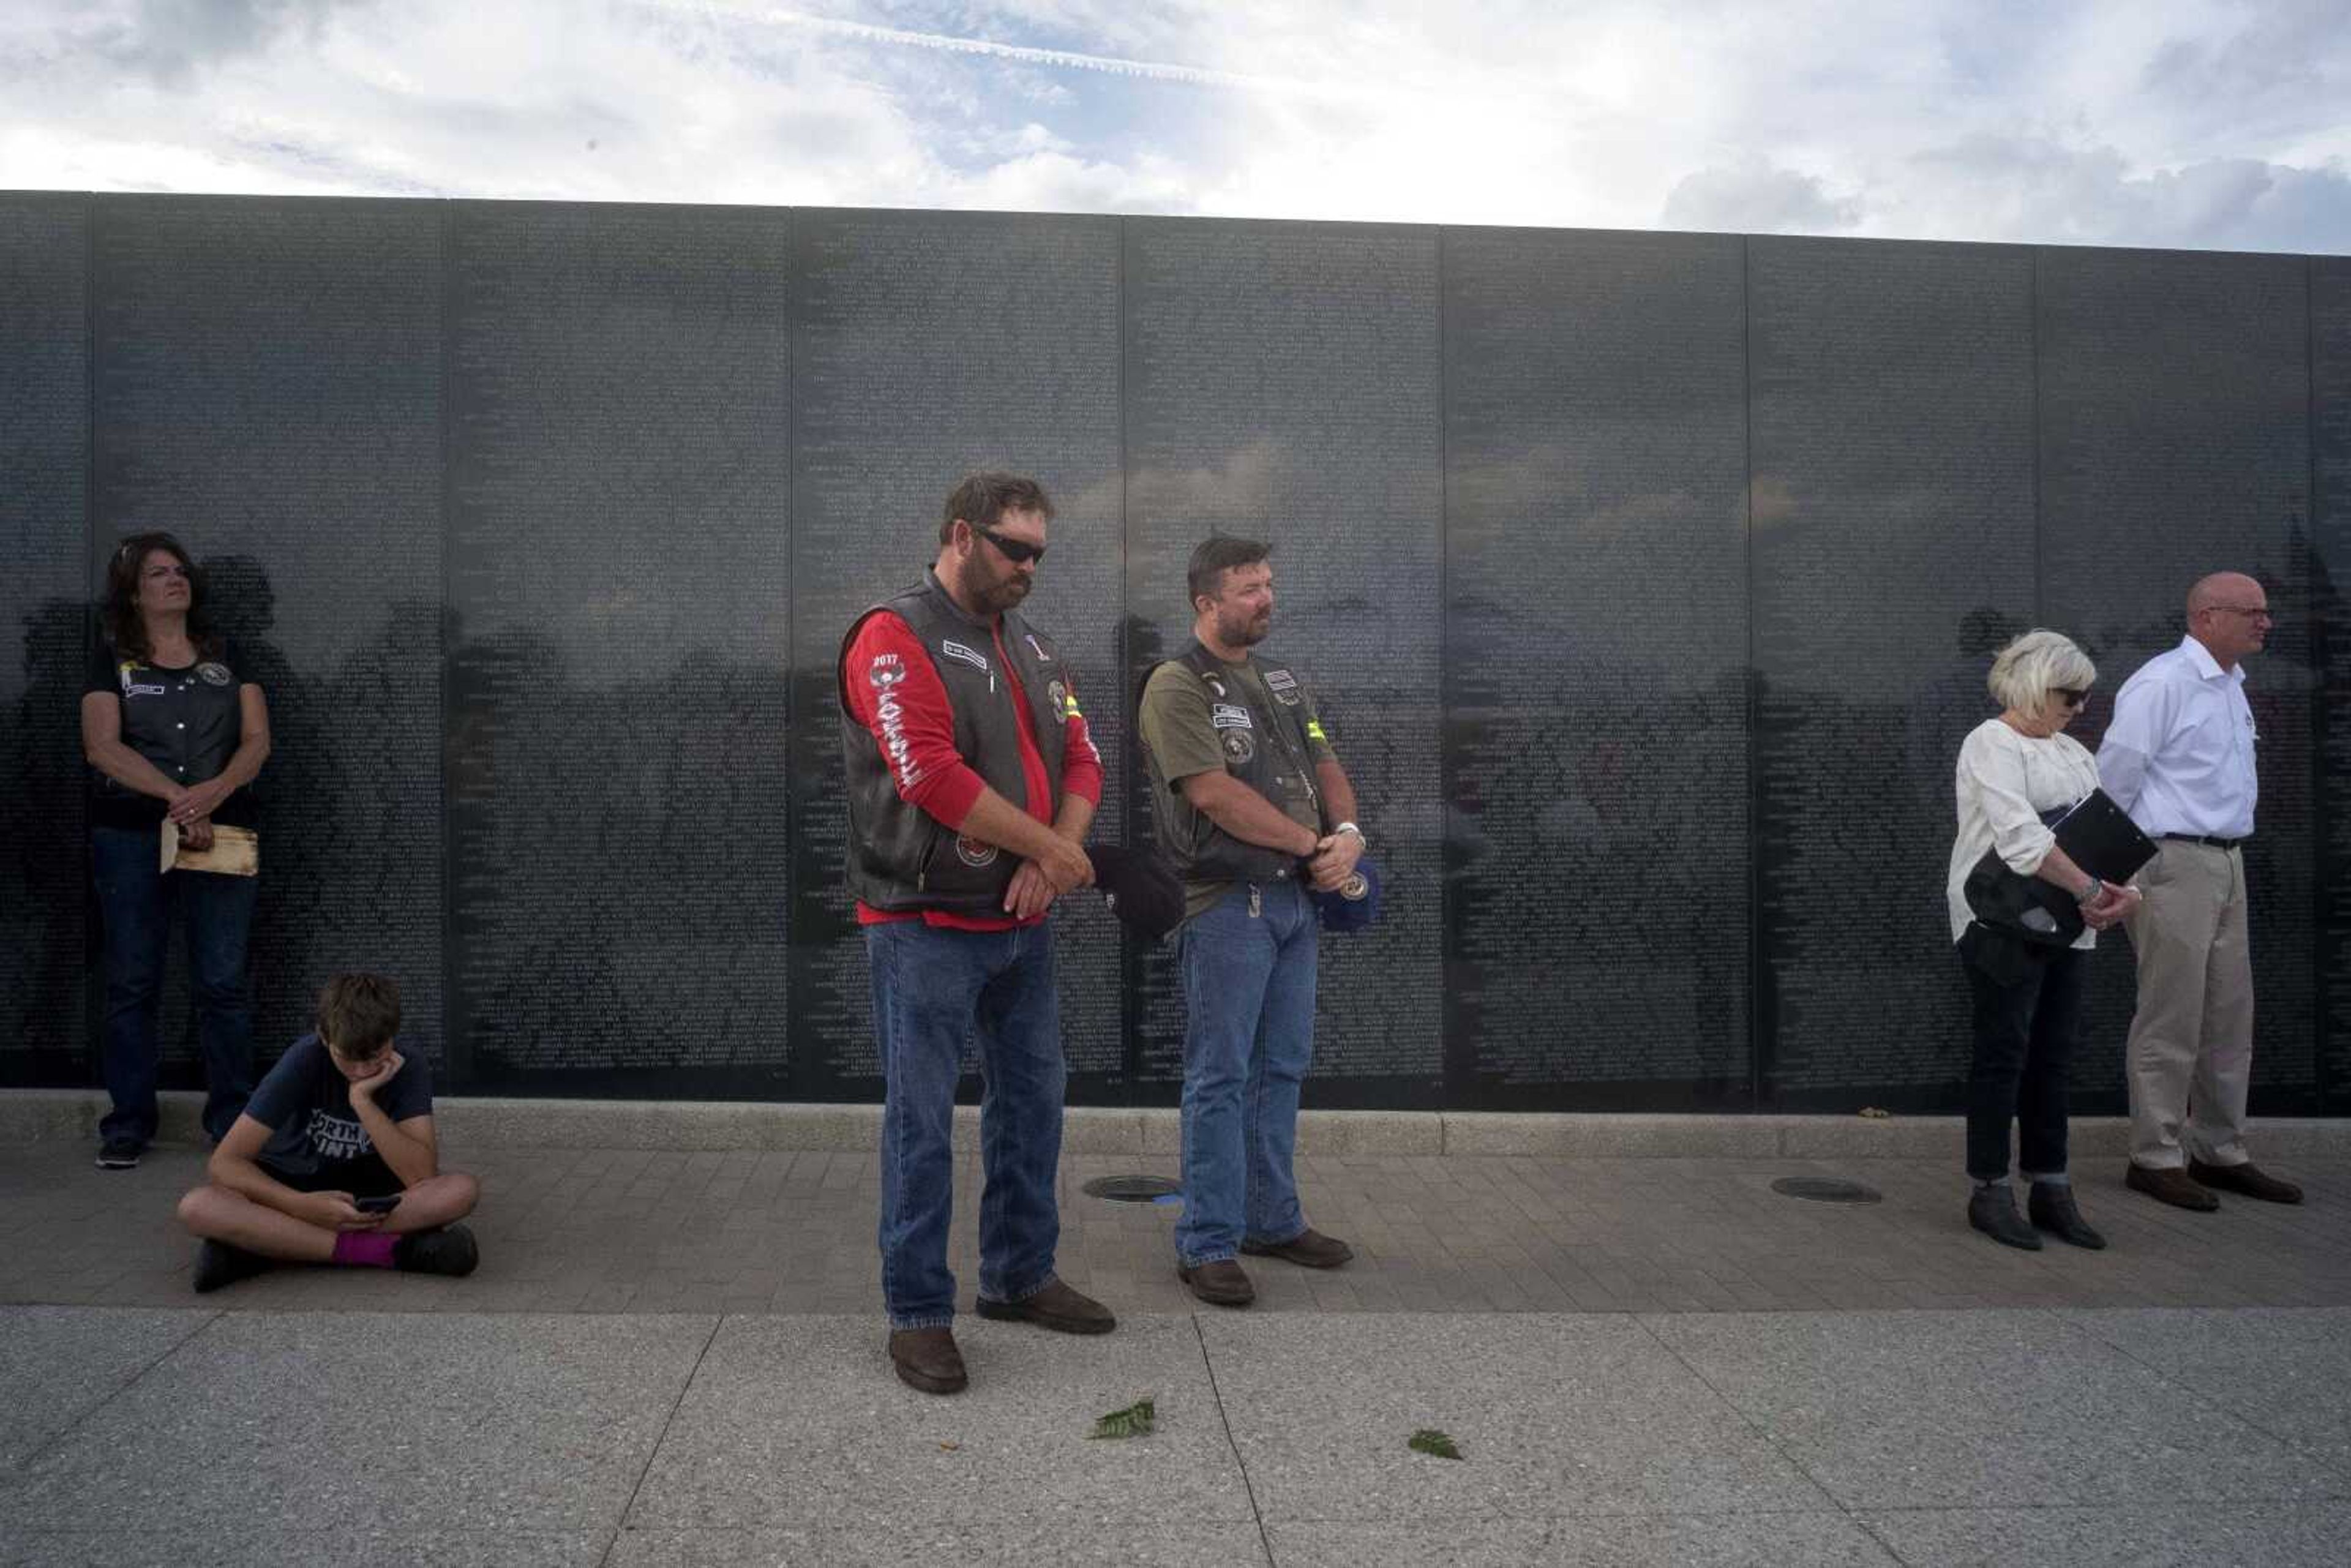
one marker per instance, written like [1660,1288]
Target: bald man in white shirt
[2180,759]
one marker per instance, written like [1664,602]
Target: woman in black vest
[174,734]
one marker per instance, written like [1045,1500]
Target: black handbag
[2037,913]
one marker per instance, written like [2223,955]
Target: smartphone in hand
[383,1204]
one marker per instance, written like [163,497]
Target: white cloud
[2190,122]
[1757,198]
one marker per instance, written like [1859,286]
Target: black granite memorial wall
[1646,583]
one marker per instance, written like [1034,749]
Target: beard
[1003,593]
[1237,628]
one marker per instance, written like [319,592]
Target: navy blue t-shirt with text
[315,1136]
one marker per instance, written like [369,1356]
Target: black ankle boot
[1993,1210]
[2053,1210]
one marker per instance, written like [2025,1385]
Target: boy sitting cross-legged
[343,1116]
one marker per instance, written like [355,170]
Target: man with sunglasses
[971,783]
[2180,759]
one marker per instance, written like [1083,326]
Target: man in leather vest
[1252,807]
[971,784]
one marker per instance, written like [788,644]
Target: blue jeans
[932,989]
[1248,997]
[137,903]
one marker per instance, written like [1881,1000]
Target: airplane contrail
[1063,59]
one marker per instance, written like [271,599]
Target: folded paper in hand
[236,852]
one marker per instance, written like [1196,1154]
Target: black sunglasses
[1019,552]
[2074,696]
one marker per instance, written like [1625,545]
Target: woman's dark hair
[359,1013]
[124,627]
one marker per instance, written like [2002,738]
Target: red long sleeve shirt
[931,775]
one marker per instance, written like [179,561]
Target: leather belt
[2213,839]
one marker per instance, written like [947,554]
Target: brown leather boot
[1056,1307]
[1222,1283]
[1310,1249]
[2248,1178]
[2169,1186]
[928,1359]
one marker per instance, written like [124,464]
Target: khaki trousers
[2191,1056]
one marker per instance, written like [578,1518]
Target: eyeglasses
[2072,697]
[1019,552]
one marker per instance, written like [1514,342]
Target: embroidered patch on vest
[973,853]
[1238,746]
[1230,716]
[1283,685]
[958,651]
[214,673]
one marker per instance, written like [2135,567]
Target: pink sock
[364,1249]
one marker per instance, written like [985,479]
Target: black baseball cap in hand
[1141,889]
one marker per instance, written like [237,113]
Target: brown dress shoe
[2247,1179]
[2169,1186]
[1220,1284]
[928,1359]
[1056,1307]
[1310,1249]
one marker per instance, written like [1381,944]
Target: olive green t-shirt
[1175,721]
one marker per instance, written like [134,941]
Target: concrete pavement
[676,1358]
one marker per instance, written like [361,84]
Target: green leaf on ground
[1429,1440]
[1134,1421]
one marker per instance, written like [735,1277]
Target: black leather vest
[187,722]
[1266,750]
[900,856]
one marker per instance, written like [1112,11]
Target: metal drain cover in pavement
[1825,1189]
[1135,1189]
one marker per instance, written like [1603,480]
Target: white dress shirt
[2006,779]
[2179,754]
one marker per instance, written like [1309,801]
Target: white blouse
[2005,781]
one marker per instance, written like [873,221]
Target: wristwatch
[1351,828]
[2090,894]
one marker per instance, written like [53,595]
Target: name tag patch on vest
[1230,716]
[1283,685]
[958,651]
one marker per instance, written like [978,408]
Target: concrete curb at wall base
[29,1115]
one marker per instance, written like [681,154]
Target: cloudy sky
[2204,123]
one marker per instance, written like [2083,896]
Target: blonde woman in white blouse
[2028,1000]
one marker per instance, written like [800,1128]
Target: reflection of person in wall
[1252,807]
[334,1161]
[2179,757]
[2028,1000]
[971,783]
[175,730]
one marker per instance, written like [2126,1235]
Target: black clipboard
[2099,836]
